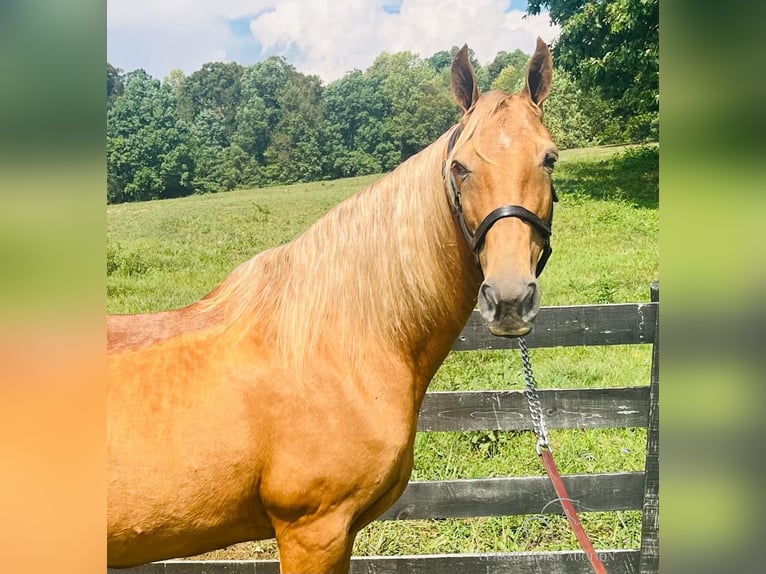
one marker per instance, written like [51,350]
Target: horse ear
[464,86]
[539,74]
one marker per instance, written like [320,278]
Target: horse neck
[387,268]
[395,263]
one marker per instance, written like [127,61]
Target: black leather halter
[476,239]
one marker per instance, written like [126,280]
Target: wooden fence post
[649,562]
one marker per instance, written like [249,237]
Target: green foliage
[176,79]
[126,262]
[516,60]
[267,80]
[578,117]
[114,84]
[294,146]
[421,108]
[252,133]
[355,110]
[226,126]
[216,86]
[613,47]
[510,79]
[147,157]
[208,139]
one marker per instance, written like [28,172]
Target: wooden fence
[583,325]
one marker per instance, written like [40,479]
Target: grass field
[166,254]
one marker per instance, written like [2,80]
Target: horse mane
[370,267]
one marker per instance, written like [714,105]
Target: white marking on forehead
[505,139]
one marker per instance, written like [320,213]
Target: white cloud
[163,13]
[160,35]
[323,37]
[329,38]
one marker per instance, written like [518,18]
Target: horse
[285,402]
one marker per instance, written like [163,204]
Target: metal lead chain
[535,410]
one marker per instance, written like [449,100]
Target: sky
[324,37]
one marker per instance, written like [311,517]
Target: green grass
[166,254]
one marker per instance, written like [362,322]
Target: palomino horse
[285,402]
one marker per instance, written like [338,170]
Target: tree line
[230,126]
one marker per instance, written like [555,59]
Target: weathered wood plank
[153,568]
[571,326]
[560,562]
[203,567]
[650,543]
[516,495]
[618,407]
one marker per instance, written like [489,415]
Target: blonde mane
[372,267]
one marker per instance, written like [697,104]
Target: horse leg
[320,545]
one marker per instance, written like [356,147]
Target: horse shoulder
[338,437]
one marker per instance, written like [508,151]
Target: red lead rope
[543,449]
[569,510]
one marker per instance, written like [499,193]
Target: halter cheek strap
[475,239]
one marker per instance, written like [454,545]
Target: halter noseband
[476,239]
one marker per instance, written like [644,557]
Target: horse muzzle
[509,309]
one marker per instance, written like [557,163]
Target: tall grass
[166,254]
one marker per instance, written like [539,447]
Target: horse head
[498,169]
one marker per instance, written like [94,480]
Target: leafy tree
[114,84]
[177,171]
[421,107]
[175,79]
[267,80]
[355,109]
[510,79]
[612,46]
[252,134]
[240,169]
[578,117]
[516,60]
[257,117]
[216,86]
[294,152]
[147,157]
[208,140]
[442,60]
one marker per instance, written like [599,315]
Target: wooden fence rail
[619,407]
[561,562]
[622,407]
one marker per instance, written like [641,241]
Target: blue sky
[323,37]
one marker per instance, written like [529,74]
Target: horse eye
[550,160]
[460,170]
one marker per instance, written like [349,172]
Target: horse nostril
[531,302]
[489,304]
